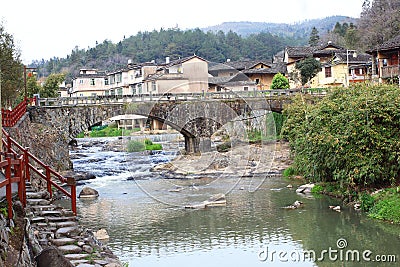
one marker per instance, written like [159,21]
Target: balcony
[390,71]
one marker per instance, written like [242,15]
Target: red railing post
[48,179]
[21,182]
[8,188]
[72,183]
[9,144]
[26,163]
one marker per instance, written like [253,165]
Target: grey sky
[48,28]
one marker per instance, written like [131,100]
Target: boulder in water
[88,192]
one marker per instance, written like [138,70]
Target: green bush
[279,81]
[350,136]
[387,209]
[290,171]
[367,201]
[136,146]
[81,135]
[151,146]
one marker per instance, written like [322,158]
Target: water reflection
[145,232]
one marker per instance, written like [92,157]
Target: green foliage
[136,146]
[32,86]
[279,81]
[387,206]
[151,146]
[317,189]
[51,85]
[106,132]
[314,37]
[308,68]
[4,211]
[350,136]
[11,69]
[289,172]
[147,144]
[367,201]
[81,135]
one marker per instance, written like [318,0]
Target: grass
[147,144]
[386,205]
[108,131]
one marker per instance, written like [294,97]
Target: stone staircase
[56,227]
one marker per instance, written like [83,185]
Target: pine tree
[314,37]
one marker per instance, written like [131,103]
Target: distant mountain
[294,30]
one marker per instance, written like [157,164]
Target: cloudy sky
[48,28]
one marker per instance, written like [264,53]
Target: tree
[308,68]
[279,81]
[51,85]
[11,69]
[314,37]
[32,87]
[379,22]
[349,136]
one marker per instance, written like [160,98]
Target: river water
[149,227]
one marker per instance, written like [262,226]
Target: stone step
[68,231]
[35,202]
[54,213]
[79,262]
[70,249]
[35,195]
[66,224]
[63,241]
[38,219]
[76,256]
[61,219]
[44,207]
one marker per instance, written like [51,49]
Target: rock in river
[88,192]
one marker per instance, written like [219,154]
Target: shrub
[350,136]
[136,146]
[279,81]
[367,201]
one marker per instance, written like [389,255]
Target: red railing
[12,167]
[11,117]
[32,163]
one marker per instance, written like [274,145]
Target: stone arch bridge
[197,119]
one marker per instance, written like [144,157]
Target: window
[230,73]
[245,88]
[153,86]
[105,81]
[81,81]
[257,81]
[119,91]
[118,77]
[92,82]
[328,72]
[94,94]
[140,88]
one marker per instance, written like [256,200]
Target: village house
[89,82]
[386,60]
[244,75]
[339,66]
[186,75]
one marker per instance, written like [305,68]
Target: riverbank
[243,159]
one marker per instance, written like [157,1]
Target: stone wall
[14,250]
[47,143]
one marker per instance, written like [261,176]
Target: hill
[297,30]
[230,40]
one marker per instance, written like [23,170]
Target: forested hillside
[174,43]
[262,42]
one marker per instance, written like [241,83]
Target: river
[149,227]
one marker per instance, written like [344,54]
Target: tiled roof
[245,64]
[393,43]
[300,51]
[359,59]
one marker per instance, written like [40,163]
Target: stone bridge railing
[118,99]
